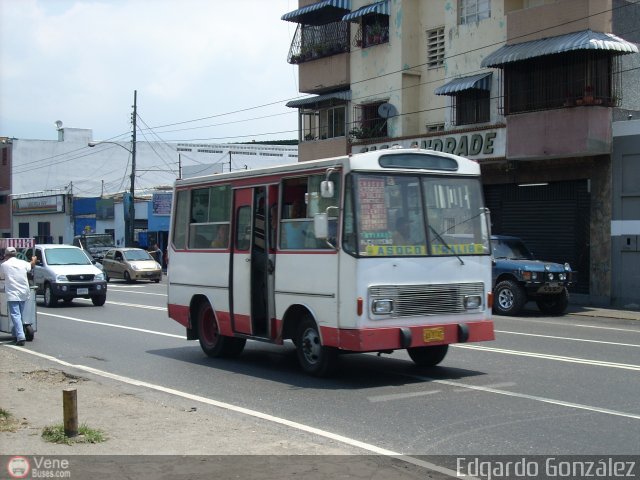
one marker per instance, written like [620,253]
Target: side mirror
[326,189]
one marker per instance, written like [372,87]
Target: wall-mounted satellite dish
[58,124]
[386,110]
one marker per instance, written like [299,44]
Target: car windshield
[133,255]
[419,215]
[99,241]
[66,256]
[510,248]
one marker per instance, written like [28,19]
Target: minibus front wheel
[314,358]
[428,356]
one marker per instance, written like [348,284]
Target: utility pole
[179,166]
[229,160]
[132,206]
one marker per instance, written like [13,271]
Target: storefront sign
[38,205]
[481,145]
[162,203]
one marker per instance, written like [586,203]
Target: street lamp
[130,228]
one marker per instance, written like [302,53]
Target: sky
[221,62]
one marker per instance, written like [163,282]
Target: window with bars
[435,48]
[583,78]
[472,11]
[368,123]
[471,106]
[373,30]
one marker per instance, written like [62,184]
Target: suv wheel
[50,300]
[99,300]
[508,298]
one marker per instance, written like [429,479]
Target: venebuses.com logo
[18,467]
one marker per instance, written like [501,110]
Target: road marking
[491,385]
[93,322]
[253,413]
[122,289]
[136,305]
[116,286]
[529,320]
[607,328]
[558,358]
[400,396]
[526,396]
[569,338]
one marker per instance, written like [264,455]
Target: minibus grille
[435,299]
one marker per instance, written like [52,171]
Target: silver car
[131,264]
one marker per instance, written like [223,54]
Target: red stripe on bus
[375,339]
[180,313]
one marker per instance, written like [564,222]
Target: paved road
[564,385]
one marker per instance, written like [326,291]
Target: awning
[482,81]
[319,13]
[584,40]
[306,102]
[381,8]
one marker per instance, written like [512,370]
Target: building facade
[531,89]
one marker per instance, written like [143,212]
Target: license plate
[435,334]
[83,291]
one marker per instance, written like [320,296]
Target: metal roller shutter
[553,220]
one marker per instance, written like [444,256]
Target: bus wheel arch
[204,323]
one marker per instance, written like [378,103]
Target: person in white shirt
[16,287]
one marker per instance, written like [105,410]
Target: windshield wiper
[445,243]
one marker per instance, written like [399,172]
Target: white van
[66,272]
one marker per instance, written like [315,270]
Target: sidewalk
[603,312]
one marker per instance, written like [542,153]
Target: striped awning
[310,101]
[583,40]
[381,8]
[319,13]
[481,81]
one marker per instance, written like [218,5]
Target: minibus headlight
[61,278]
[382,307]
[99,277]
[472,302]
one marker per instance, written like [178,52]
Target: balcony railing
[316,41]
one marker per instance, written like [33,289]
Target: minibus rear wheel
[211,341]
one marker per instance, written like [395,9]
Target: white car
[66,272]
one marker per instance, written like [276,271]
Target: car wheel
[428,356]
[314,358]
[554,304]
[50,300]
[127,277]
[508,298]
[214,344]
[99,300]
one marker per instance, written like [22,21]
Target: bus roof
[368,161]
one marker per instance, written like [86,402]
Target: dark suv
[519,277]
